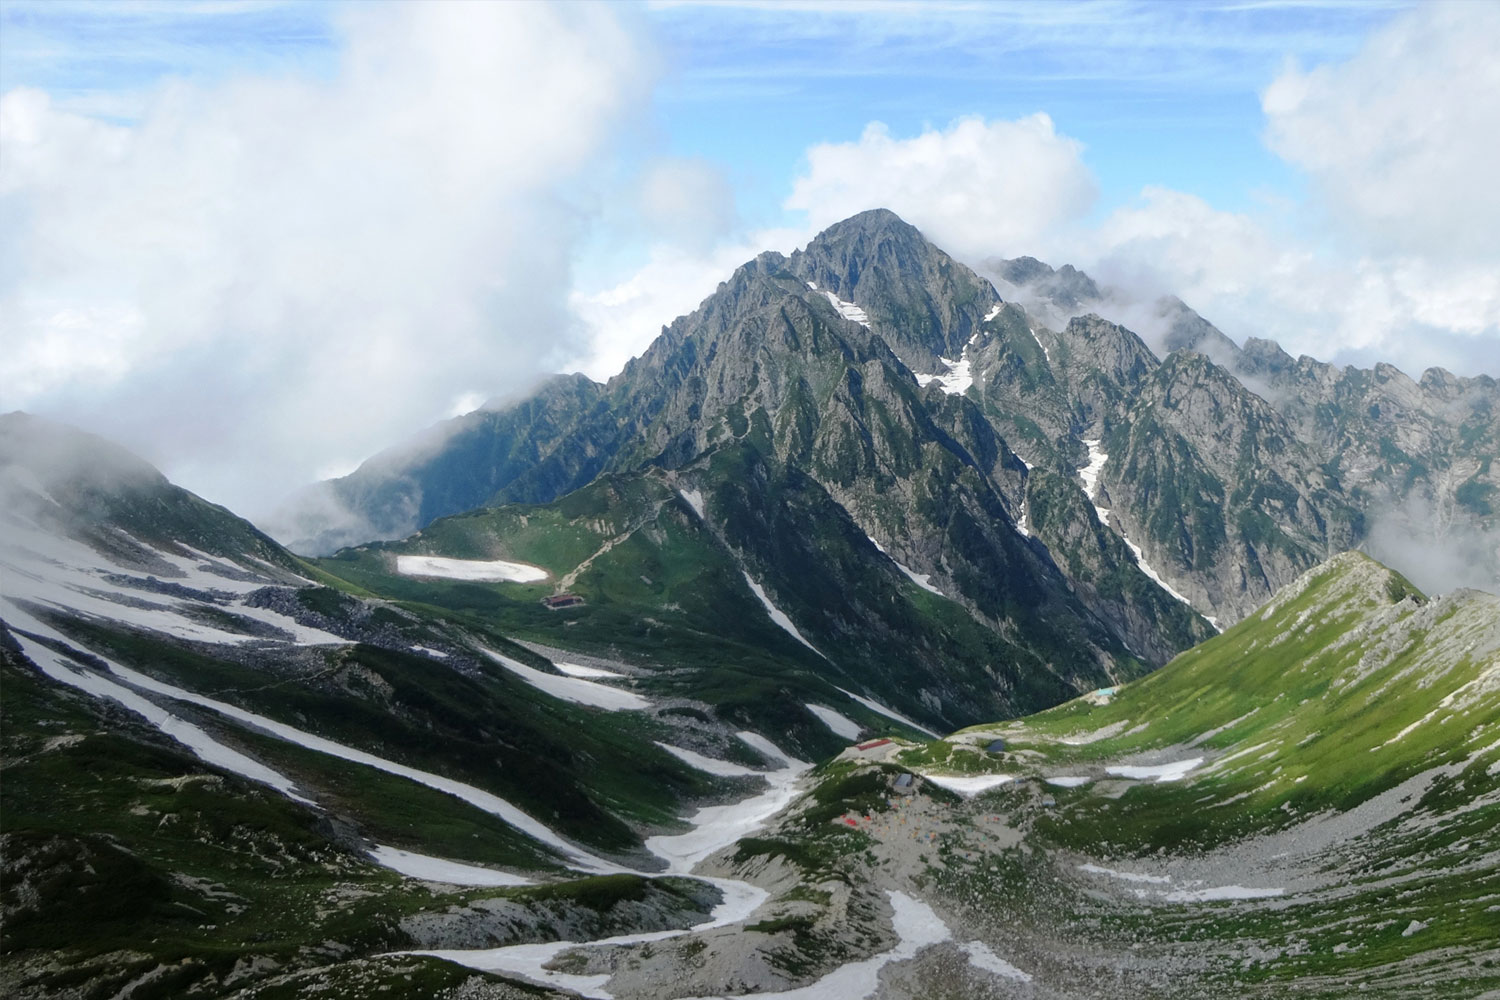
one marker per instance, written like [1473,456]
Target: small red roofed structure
[870,745]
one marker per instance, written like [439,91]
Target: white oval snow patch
[1069,781]
[841,724]
[441,870]
[1175,771]
[968,784]
[474,570]
[981,957]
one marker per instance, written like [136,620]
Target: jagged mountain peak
[1066,287]
[923,302]
[1187,330]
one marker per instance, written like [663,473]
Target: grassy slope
[1341,689]
[1387,846]
[142,856]
[1320,683]
[662,594]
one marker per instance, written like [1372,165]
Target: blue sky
[1158,93]
[223,208]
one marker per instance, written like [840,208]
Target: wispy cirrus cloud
[1150,45]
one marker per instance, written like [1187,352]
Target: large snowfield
[472,570]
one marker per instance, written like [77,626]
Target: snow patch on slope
[709,765]
[777,615]
[740,900]
[716,827]
[44,569]
[889,713]
[203,746]
[916,926]
[841,724]
[476,797]
[579,670]
[1090,476]
[1175,771]
[432,869]
[923,580]
[1170,894]
[848,310]
[211,751]
[574,689]
[969,784]
[694,500]
[981,957]
[1045,353]
[1069,780]
[959,377]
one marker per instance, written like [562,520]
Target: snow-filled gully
[1090,476]
[713,828]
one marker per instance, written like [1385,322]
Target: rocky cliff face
[1417,458]
[1410,464]
[1045,471]
[1213,485]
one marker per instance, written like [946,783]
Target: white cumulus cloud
[686,202]
[267,275]
[977,187]
[1402,140]
[1392,256]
